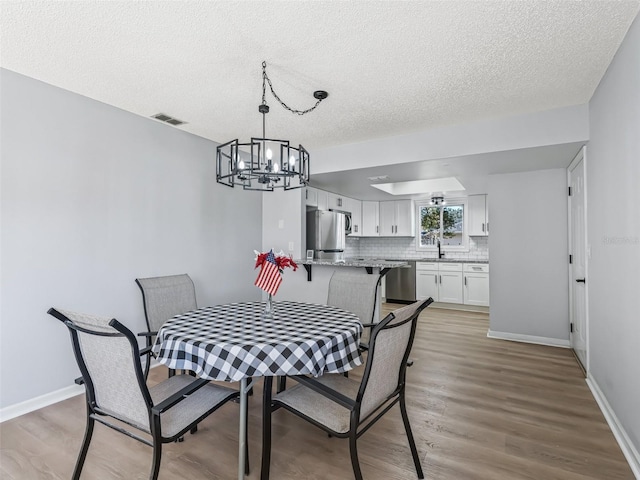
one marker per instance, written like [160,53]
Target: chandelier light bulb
[241,164]
[269,154]
[276,167]
[292,161]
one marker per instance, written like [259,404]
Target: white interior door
[578,270]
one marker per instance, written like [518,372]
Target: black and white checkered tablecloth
[231,342]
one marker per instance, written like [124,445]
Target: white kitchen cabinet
[323,200]
[356,217]
[478,217]
[450,287]
[450,282]
[476,284]
[440,281]
[426,281]
[370,219]
[311,197]
[397,218]
[337,202]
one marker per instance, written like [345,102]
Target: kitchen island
[369,264]
[299,286]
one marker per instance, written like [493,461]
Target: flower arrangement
[270,276]
[281,260]
[271,268]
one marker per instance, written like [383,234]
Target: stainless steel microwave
[347,220]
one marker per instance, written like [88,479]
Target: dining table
[238,342]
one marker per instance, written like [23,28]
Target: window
[445,223]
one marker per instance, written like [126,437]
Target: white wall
[529,293]
[283,221]
[551,127]
[613,223]
[93,197]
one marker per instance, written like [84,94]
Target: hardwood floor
[480,409]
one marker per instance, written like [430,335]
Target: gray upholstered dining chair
[356,293]
[162,298]
[109,358]
[347,408]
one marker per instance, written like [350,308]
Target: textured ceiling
[390,67]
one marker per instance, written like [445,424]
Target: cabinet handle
[487,227]
[355,228]
[376,228]
[581,280]
[465,281]
[483,227]
[440,279]
[435,277]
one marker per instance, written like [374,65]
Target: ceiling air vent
[167,119]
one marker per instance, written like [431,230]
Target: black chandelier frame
[253,165]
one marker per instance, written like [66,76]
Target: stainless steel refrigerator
[326,234]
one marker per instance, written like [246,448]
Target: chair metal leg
[157,456]
[88,433]
[353,450]
[412,443]
[246,437]
[266,428]
[282,384]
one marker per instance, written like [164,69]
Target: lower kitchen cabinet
[426,284]
[476,284]
[450,282]
[450,288]
[440,281]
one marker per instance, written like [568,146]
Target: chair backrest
[354,292]
[164,297]
[389,348]
[108,356]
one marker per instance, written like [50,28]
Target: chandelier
[263,163]
[437,201]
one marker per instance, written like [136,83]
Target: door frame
[581,156]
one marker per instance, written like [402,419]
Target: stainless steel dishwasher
[401,283]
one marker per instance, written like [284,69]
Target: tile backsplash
[405,248]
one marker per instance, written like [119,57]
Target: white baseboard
[517,337]
[628,449]
[13,411]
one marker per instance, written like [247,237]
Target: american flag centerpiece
[270,276]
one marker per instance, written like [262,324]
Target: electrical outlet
[291,246]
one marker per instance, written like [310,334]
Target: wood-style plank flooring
[480,409]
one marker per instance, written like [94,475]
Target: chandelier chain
[287,107]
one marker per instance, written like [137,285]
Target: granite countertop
[450,260]
[438,260]
[356,262]
[382,263]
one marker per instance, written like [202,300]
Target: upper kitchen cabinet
[311,197]
[370,219]
[337,202]
[478,215]
[397,219]
[355,207]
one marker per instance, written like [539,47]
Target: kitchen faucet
[440,252]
